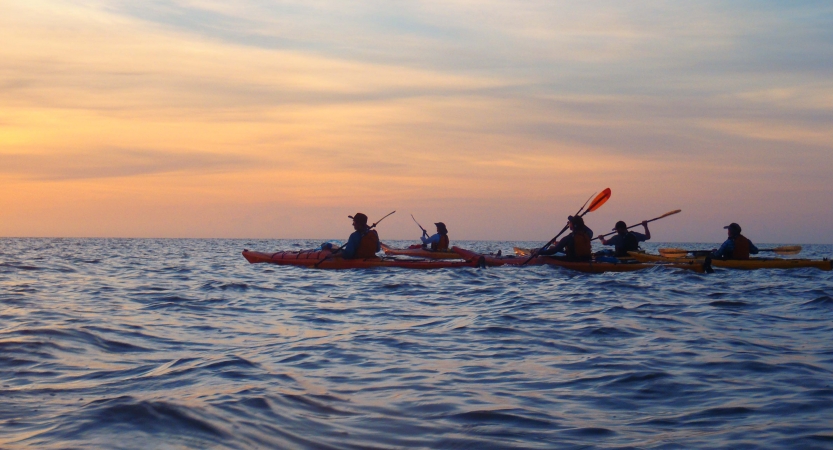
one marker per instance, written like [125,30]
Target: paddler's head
[359,221]
[576,223]
[734,229]
[621,228]
[441,228]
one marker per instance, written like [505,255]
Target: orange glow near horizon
[118,125]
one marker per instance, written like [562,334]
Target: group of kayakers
[364,241]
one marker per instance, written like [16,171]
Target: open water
[140,343]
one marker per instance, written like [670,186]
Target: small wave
[500,417]
[85,337]
[823,301]
[127,413]
[606,332]
[590,432]
[729,304]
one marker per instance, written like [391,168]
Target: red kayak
[420,252]
[323,259]
[579,266]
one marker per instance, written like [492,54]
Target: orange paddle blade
[599,200]
[669,213]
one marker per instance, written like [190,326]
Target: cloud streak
[480,111]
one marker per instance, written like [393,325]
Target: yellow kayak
[743,264]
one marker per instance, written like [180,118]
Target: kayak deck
[419,253]
[745,264]
[579,266]
[323,259]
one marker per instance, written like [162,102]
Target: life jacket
[741,250]
[629,244]
[442,245]
[368,246]
[580,248]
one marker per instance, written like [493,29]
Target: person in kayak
[438,242]
[737,246]
[575,245]
[364,242]
[626,241]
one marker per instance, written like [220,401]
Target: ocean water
[141,343]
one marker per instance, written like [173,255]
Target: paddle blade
[670,213]
[600,200]
[788,250]
[673,252]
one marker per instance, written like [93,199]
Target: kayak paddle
[424,233]
[669,213]
[596,204]
[681,252]
[345,245]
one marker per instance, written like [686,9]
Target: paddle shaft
[415,221]
[535,253]
[598,201]
[638,224]
[789,249]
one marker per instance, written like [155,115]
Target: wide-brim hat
[441,227]
[359,218]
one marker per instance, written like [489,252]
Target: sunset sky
[277,119]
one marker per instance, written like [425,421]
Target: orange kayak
[492,261]
[323,259]
[419,253]
[579,266]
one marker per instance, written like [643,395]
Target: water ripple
[178,343]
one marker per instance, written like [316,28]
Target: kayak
[579,266]
[419,253]
[744,264]
[323,259]
[493,261]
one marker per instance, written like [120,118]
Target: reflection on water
[181,343]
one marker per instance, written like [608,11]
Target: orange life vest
[581,246]
[368,246]
[741,250]
[442,245]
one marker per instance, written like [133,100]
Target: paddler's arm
[752,249]
[647,231]
[435,239]
[562,244]
[352,245]
[725,249]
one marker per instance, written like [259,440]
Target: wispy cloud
[461,105]
[115,163]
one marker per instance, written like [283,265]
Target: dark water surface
[140,343]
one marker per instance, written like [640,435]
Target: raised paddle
[597,203]
[424,233]
[345,245]
[681,252]
[669,213]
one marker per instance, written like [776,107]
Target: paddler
[626,241]
[438,242]
[364,242]
[575,245]
[737,246]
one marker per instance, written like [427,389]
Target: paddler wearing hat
[364,242]
[438,242]
[737,246]
[626,241]
[575,245]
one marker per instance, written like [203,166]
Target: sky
[278,119]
